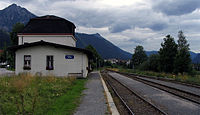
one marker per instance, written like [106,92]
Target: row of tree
[97,60]
[172,57]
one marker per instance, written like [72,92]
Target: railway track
[158,78]
[177,92]
[133,102]
[164,79]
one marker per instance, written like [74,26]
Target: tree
[3,54]
[144,66]
[183,61]
[97,60]
[107,63]
[139,56]
[18,27]
[167,54]
[154,62]
[13,35]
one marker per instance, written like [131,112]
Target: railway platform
[93,101]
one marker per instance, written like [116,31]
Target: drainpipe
[82,65]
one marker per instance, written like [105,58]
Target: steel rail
[139,96]
[147,82]
[121,99]
[158,78]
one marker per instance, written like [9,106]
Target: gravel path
[5,72]
[93,101]
[171,104]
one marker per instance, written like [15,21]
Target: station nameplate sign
[69,56]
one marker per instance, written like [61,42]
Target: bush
[144,66]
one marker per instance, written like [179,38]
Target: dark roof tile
[49,24]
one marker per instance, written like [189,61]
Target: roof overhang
[43,43]
[46,34]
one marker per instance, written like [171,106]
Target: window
[27,62]
[49,65]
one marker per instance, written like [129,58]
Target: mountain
[13,14]
[193,55]
[105,48]
[148,53]
[196,59]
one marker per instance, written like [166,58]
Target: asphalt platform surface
[94,101]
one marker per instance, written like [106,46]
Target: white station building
[47,46]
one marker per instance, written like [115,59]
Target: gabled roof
[43,43]
[49,24]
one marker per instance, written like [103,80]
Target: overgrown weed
[24,94]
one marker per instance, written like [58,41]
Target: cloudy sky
[126,23]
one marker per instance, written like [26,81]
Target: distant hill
[193,55]
[196,60]
[105,48]
[13,14]
[151,52]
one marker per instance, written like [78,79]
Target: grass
[26,94]
[11,69]
[182,78]
[66,104]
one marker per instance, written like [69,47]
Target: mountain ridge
[196,60]
[105,48]
[13,14]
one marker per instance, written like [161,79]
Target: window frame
[27,63]
[49,62]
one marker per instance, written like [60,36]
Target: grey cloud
[134,18]
[176,7]
[116,19]
[158,26]
[93,18]
[138,41]
[20,1]
[119,27]
[25,1]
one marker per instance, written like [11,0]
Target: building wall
[62,66]
[68,40]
